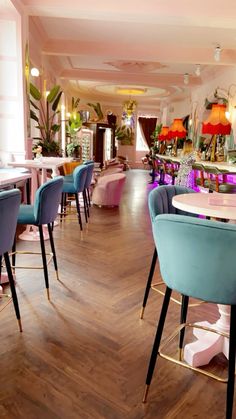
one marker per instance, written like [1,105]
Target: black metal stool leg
[89,200]
[13,290]
[157,341]
[78,211]
[183,317]
[149,282]
[53,249]
[13,258]
[231,367]
[87,203]
[45,268]
[85,207]
[62,206]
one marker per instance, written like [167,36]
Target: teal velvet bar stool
[75,187]
[160,202]
[9,207]
[182,243]
[44,211]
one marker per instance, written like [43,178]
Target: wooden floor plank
[84,355]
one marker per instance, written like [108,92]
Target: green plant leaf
[33,116]
[55,127]
[53,94]
[35,92]
[56,102]
[33,104]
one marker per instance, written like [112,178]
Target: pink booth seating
[108,190]
[112,171]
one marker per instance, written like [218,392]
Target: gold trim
[57,275]
[31,253]
[48,293]
[179,302]
[184,364]
[142,312]
[146,393]
[20,325]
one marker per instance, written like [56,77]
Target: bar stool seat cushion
[26,215]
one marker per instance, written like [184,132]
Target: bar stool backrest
[47,199]
[197,256]
[9,208]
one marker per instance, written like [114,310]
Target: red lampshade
[177,129]
[217,123]
[164,134]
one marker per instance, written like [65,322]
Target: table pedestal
[209,344]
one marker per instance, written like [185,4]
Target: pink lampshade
[217,123]
[177,129]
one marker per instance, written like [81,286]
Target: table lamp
[176,131]
[163,137]
[216,124]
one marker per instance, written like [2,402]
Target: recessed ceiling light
[217,53]
[198,70]
[186,78]
[130,91]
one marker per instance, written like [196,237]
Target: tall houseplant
[44,110]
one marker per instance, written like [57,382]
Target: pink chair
[108,190]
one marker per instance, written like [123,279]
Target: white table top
[43,163]
[212,205]
[8,178]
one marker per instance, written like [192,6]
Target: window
[141,144]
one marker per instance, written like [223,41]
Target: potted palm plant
[44,110]
[73,126]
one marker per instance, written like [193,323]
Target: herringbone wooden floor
[84,355]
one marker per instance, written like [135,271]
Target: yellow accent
[48,293]
[20,325]
[145,393]
[184,364]
[70,166]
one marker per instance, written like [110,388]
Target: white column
[63,125]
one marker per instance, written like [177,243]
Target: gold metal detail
[30,266]
[142,312]
[161,283]
[145,393]
[184,364]
[57,275]
[48,293]
[20,325]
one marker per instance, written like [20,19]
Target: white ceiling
[100,45]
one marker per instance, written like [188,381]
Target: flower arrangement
[37,150]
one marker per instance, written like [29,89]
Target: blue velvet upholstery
[45,208]
[197,257]
[9,207]
[79,178]
[89,176]
[160,200]
[89,162]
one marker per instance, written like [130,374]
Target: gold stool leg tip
[142,312]
[57,275]
[180,354]
[20,325]
[145,393]
[48,293]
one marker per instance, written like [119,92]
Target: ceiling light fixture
[186,78]
[34,72]
[130,91]
[217,53]
[198,70]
